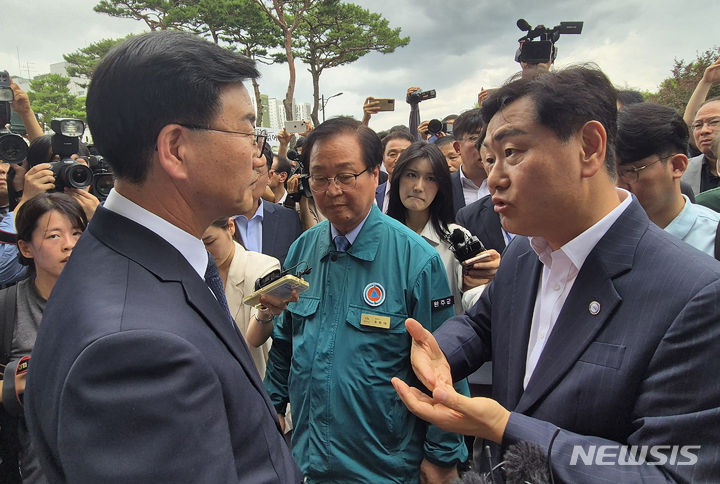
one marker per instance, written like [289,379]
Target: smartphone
[295,127]
[281,288]
[477,258]
[386,104]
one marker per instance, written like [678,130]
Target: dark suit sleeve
[677,404]
[465,339]
[144,407]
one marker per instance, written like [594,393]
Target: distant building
[75,85]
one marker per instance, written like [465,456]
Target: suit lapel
[156,255]
[523,302]
[269,229]
[591,302]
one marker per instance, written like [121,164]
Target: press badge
[375,321]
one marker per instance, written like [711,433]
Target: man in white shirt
[602,328]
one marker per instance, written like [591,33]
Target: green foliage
[83,62]
[675,91]
[333,33]
[157,14]
[50,98]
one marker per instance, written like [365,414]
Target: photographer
[39,178]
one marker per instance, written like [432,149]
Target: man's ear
[456,145]
[594,148]
[679,163]
[231,227]
[283,176]
[173,148]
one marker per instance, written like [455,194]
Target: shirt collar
[465,181]
[352,235]
[188,245]
[580,247]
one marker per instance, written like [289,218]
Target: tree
[675,91]
[84,61]
[332,34]
[50,98]
[242,24]
[287,15]
[157,14]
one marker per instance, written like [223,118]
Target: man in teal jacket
[337,348]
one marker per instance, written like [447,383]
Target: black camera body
[13,148]
[66,142]
[464,246]
[542,50]
[418,96]
[102,177]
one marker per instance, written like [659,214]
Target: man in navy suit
[139,374]
[602,328]
[268,228]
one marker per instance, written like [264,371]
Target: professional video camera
[13,148]
[102,175]
[66,142]
[542,50]
[417,96]
[464,246]
[304,179]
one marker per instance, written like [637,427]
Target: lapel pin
[594,308]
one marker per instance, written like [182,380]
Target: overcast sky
[456,47]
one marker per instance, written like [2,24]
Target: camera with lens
[417,96]
[304,179]
[13,148]
[102,176]
[464,245]
[65,143]
[542,50]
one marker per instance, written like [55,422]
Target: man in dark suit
[482,221]
[469,183]
[393,144]
[267,227]
[138,373]
[602,327]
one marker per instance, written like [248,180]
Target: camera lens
[78,176]
[13,148]
[434,126]
[102,185]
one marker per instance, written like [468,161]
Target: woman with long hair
[421,198]
[48,227]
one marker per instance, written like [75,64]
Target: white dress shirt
[187,244]
[560,270]
[472,192]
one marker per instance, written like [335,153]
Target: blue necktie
[341,243]
[214,282]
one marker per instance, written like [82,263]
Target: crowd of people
[540,273]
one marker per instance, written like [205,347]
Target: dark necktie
[214,282]
[341,243]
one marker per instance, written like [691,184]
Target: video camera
[417,96]
[66,142]
[304,181]
[102,176]
[13,148]
[542,50]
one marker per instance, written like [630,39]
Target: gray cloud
[456,47]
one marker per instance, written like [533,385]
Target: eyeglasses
[342,180]
[713,123]
[632,174]
[259,136]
